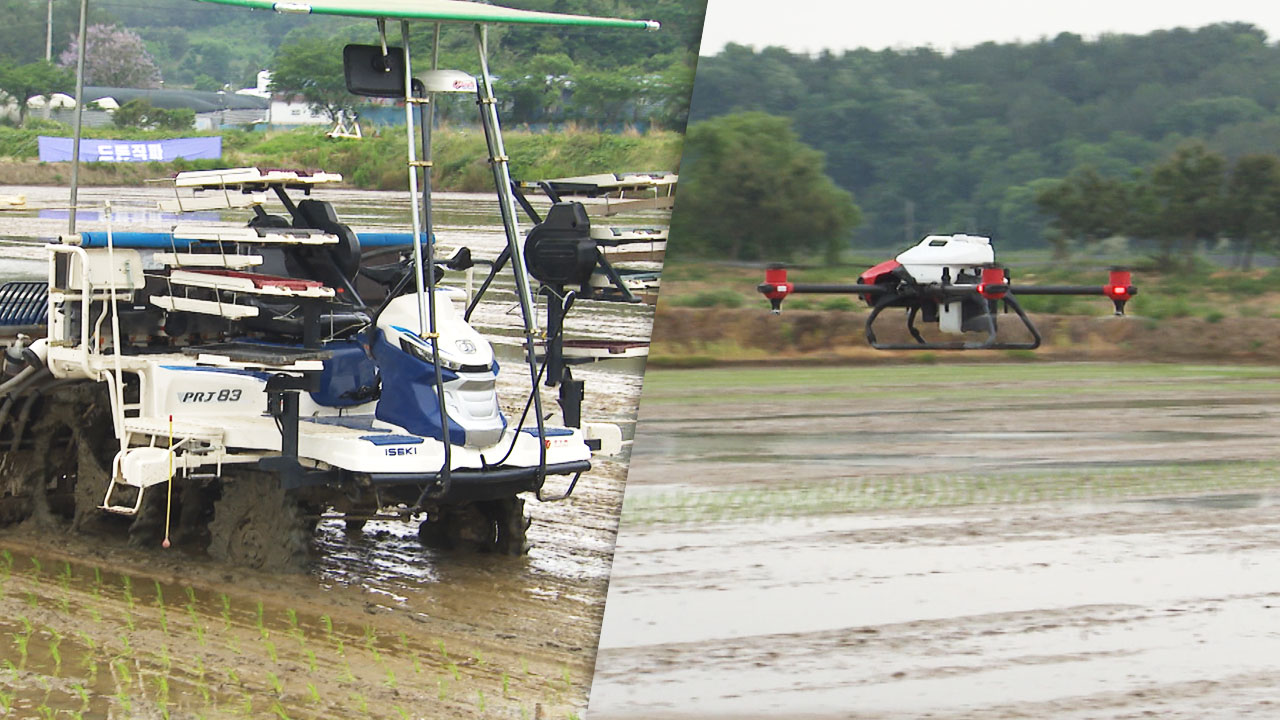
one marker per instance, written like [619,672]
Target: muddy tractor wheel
[496,526]
[512,525]
[57,454]
[256,524]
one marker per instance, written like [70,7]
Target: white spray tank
[939,257]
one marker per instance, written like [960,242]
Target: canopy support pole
[75,142]
[507,204]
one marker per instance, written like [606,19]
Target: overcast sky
[812,25]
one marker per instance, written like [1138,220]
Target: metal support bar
[507,205]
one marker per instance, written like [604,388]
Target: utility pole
[48,35]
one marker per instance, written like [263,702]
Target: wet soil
[1135,582]
[378,626]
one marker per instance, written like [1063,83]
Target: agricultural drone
[951,281]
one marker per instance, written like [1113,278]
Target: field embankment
[375,162]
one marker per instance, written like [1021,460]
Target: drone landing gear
[977,301]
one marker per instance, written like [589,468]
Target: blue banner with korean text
[58,149]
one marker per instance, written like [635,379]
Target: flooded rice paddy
[1066,541]
[379,627]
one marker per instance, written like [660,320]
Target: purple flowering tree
[116,57]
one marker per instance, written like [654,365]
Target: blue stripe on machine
[392,439]
[226,371]
[550,432]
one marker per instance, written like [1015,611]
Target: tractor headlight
[422,350]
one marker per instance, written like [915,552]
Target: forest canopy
[971,141]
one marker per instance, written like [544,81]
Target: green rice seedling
[347,675]
[6,558]
[6,701]
[453,670]
[165,661]
[313,692]
[95,615]
[262,628]
[198,631]
[370,637]
[564,675]
[122,697]
[81,693]
[443,653]
[327,622]
[417,666]
[506,685]
[97,576]
[275,683]
[54,641]
[246,704]
[233,644]
[524,666]
[127,583]
[442,686]
[401,712]
[279,711]
[121,670]
[404,642]
[199,668]
[292,616]
[271,651]
[20,641]
[342,648]
[162,689]
[45,711]
[391,679]
[232,677]
[164,622]
[311,659]
[226,611]
[124,643]
[36,568]
[361,703]
[480,700]
[190,592]
[480,661]
[33,602]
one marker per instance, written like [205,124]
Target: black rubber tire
[354,526]
[492,526]
[258,525]
[512,526]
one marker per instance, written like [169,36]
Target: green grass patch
[934,491]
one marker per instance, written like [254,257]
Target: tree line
[1005,139]
[545,74]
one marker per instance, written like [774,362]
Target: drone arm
[1119,288]
[776,288]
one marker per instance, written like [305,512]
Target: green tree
[1253,206]
[312,68]
[1084,207]
[1184,203]
[749,190]
[140,113]
[22,82]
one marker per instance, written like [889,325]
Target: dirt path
[975,543]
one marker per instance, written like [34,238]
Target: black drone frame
[896,288]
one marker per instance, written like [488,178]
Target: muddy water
[478,635]
[1144,595]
